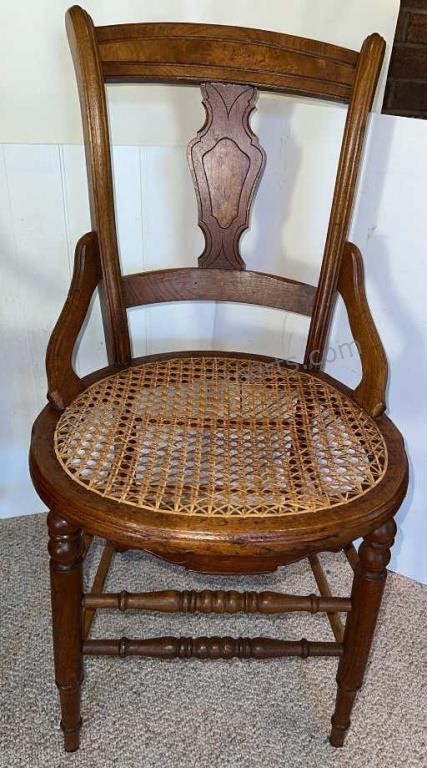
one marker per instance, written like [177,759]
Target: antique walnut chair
[223,463]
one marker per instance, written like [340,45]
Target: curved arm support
[370,392]
[63,382]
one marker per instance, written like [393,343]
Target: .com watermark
[346,349]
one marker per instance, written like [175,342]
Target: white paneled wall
[35,273]
[44,209]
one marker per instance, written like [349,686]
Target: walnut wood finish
[218,285]
[237,61]
[350,552]
[163,51]
[207,601]
[210,648]
[196,53]
[325,591]
[98,584]
[87,64]
[63,382]
[366,595]
[367,73]
[66,547]
[87,541]
[226,163]
[371,391]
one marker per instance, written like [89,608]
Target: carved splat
[226,163]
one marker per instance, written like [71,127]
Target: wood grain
[366,596]
[81,37]
[63,382]
[98,584]
[325,591]
[246,287]
[371,390]
[367,74]
[208,601]
[226,163]
[210,648]
[66,549]
[195,53]
[350,552]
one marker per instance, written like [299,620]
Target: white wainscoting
[44,209]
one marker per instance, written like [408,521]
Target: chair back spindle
[226,162]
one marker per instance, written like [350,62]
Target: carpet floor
[235,714]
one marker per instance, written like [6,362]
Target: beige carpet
[204,715]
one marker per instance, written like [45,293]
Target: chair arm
[63,382]
[370,392]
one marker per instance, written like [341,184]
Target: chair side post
[366,78]
[84,49]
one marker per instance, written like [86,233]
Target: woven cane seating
[220,462]
[220,436]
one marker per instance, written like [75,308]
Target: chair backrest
[225,158]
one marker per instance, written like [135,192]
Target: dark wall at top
[406,91]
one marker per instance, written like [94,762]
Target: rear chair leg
[368,587]
[66,549]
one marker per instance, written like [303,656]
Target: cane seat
[220,436]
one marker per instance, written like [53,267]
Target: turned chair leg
[367,591]
[66,549]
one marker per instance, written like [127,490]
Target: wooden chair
[224,463]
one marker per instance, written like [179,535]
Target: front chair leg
[66,549]
[368,587]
